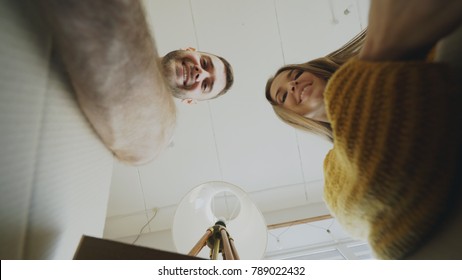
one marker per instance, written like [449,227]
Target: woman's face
[300,92]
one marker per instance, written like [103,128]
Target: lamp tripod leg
[227,251]
[200,244]
[215,250]
[233,249]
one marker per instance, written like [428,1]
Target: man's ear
[188,101]
[190,49]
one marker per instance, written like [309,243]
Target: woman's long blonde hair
[323,67]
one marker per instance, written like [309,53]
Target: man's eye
[204,86]
[204,63]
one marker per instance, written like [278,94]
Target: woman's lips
[306,92]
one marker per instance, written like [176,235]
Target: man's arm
[115,70]
[408,29]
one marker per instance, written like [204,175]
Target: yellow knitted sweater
[397,137]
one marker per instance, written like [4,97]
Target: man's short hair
[229,77]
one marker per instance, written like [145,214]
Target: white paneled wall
[54,170]
[23,58]
[237,137]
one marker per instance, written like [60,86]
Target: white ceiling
[236,138]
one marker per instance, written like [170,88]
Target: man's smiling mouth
[185,75]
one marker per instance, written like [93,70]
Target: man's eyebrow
[211,85]
[212,67]
[211,62]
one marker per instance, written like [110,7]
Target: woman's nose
[292,86]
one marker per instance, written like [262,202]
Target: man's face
[194,75]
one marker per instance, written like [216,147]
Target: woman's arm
[114,67]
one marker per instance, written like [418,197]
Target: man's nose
[198,73]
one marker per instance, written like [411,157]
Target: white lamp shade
[210,202]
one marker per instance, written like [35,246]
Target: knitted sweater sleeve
[397,134]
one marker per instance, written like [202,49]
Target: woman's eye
[298,74]
[284,96]
[204,86]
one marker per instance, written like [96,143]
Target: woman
[395,124]
[308,114]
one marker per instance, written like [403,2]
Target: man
[195,76]
[115,70]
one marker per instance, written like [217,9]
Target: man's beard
[168,68]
